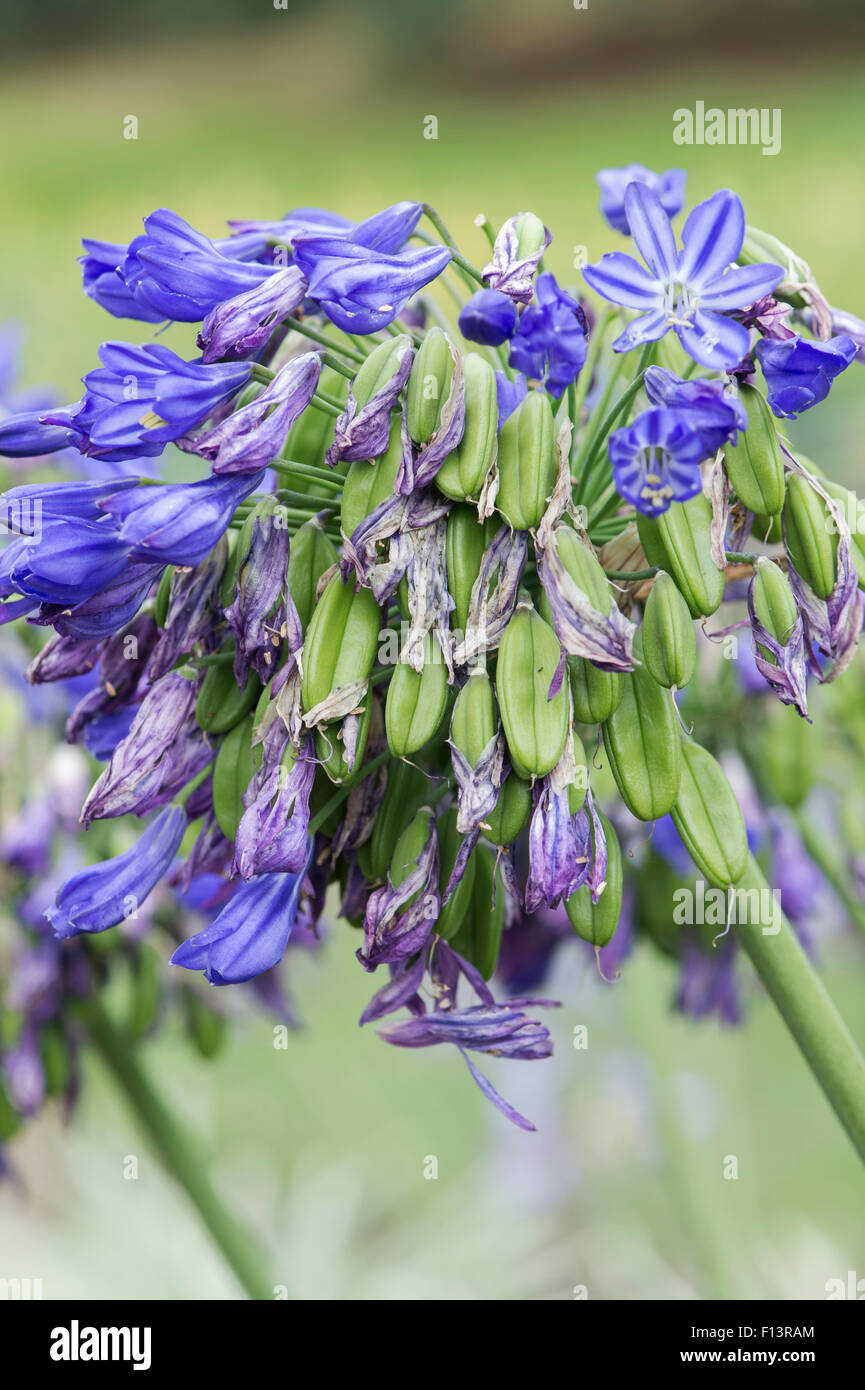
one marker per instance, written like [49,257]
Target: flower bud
[528,462]
[810,538]
[429,385]
[464,471]
[755,465]
[669,644]
[708,818]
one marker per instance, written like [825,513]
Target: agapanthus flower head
[656,460]
[550,343]
[489,317]
[669,187]
[688,291]
[800,371]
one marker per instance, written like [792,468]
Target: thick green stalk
[804,1005]
[178,1151]
[300,327]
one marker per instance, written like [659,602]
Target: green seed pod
[527,462]
[408,850]
[341,641]
[479,938]
[643,747]
[463,472]
[404,795]
[535,726]
[221,702]
[679,541]
[232,772]
[377,370]
[453,913]
[474,720]
[416,702]
[312,434]
[774,603]
[708,819]
[597,922]
[429,385]
[368,484]
[595,693]
[467,539]
[330,749]
[669,643]
[511,811]
[852,513]
[311,554]
[755,466]
[584,568]
[810,535]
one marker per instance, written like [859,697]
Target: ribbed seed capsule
[368,484]
[378,369]
[416,702]
[467,539]
[311,554]
[812,545]
[535,726]
[597,922]
[755,465]
[641,738]
[584,568]
[454,911]
[480,936]
[341,641]
[232,772]
[463,472]
[680,542]
[708,818]
[527,462]
[669,643]
[221,702]
[409,848]
[429,385]
[595,693]
[404,795]
[473,723]
[774,603]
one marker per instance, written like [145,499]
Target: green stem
[178,1151]
[631,574]
[619,409]
[308,470]
[806,1008]
[339,796]
[300,327]
[820,852]
[470,273]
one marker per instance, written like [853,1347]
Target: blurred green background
[245,112]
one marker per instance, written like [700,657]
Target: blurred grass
[323,1144]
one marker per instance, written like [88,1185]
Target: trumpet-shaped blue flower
[613,183]
[688,290]
[799,371]
[104,894]
[177,523]
[656,460]
[177,273]
[706,406]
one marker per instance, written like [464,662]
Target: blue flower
[177,523]
[177,273]
[251,932]
[358,280]
[688,290]
[104,894]
[656,460]
[550,342]
[24,435]
[799,371]
[68,562]
[613,183]
[104,284]
[489,317]
[707,406]
[142,397]
[509,394]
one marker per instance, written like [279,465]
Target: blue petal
[712,238]
[714,341]
[623,280]
[742,286]
[651,229]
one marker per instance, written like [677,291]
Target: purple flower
[799,372]
[104,894]
[559,848]
[177,273]
[363,431]
[518,248]
[263,611]
[109,608]
[177,523]
[550,342]
[509,394]
[656,460]
[399,919]
[356,279]
[489,317]
[688,290]
[239,327]
[24,435]
[25,843]
[783,666]
[142,397]
[251,932]
[104,284]
[708,985]
[251,437]
[706,406]
[831,626]
[272,835]
[68,563]
[669,188]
